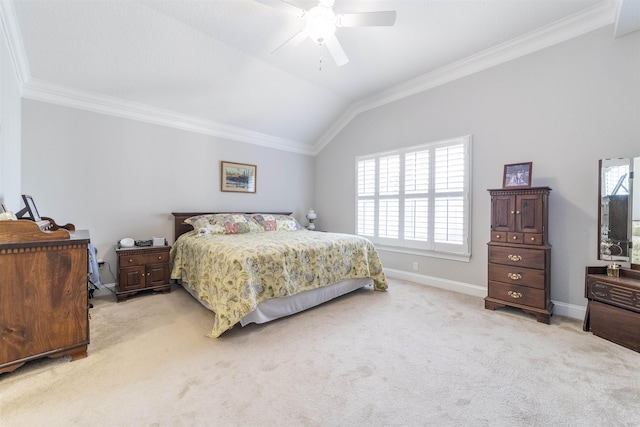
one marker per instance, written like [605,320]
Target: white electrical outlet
[415,266]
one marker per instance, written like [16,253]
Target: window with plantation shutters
[417,198]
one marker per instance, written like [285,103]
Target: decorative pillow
[225,223]
[272,222]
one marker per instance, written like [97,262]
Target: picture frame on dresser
[29,208]
[517,175]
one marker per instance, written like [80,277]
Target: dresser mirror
[619,214]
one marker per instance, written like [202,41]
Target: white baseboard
[559,308]
[437,282]
[569,310]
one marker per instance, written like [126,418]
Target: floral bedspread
[233,273]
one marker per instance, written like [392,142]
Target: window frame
[402,244]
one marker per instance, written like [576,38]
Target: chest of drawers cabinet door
[142,269]
[519,254]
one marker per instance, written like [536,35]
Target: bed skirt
[277,308]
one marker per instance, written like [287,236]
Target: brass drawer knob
[515,237]
[514,294]
[130,260]
[533,239]
[497,236]
[514,257]
[514,276]
[160,258]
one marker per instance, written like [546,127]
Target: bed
[254,268]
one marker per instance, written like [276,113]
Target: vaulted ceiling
[209,66]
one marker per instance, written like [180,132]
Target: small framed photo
[31,207]
[517,175]
[238,177]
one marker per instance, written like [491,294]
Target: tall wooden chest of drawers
[519,252]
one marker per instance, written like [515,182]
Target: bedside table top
[144,249]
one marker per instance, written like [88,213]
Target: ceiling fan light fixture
[321,23]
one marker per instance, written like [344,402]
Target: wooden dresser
[519,252]
[44,301]
[613,308]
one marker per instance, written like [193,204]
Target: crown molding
[56,94]
[589,20]
[576,25]
[11,31]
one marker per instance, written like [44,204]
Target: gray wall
[562,108]
[10,127]
[123,178]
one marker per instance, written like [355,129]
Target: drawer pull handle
[533,239]
[514,257]
[514,294]
[518,212]
[160,258]
[514,276]
[497,236]
[130,260]
[148,274]
[515,237]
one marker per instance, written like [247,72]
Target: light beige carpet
[412,356]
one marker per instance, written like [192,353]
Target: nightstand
[142,269]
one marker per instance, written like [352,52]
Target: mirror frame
[630,212]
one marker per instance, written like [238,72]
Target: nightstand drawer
[517,294]
[530,258]
[517,275]
[128,260]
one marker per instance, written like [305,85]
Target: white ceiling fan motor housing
[321,23]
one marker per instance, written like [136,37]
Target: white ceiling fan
[322,22]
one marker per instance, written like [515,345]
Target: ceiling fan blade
[366,19]
[336,51]
[293,41]
[284,6]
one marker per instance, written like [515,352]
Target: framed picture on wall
[517,175]
[238,177]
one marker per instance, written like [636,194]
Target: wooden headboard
[179,226]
